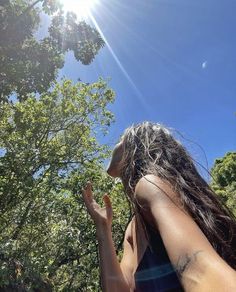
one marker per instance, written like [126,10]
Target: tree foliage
[49,150]
[224,179]
[29,65]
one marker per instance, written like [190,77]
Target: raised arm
[113,275]
[198,265]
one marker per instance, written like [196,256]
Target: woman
[181,237]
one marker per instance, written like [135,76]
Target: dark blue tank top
[155,272]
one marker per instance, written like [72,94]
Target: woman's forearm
[111,273]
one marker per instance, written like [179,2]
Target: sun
[82,8]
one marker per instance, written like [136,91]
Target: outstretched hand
[102,216]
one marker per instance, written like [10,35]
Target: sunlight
[118,62]
[82,8]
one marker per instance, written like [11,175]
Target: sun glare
[82,8]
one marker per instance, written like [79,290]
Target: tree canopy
[50,151]
[224,179]
[30,65]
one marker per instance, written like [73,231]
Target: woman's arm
[198,265]
[113,276]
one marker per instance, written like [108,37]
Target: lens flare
[82,8]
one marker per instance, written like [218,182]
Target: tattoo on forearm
[185,261]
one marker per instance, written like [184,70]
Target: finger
[108,205]
[86,200]
[87,193]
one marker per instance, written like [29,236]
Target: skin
[114,165]
[198,266]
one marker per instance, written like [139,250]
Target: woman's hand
[102,217]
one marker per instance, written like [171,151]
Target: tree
[50,151]
[224,179]
[49,148]
[28,65]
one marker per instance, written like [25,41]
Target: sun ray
[127,76]
[157,49]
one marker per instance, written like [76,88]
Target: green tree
[49,150]
[224,179]
[29,65]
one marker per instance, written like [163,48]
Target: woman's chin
[113,172]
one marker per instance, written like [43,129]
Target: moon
[204,65]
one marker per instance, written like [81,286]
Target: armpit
[184,262]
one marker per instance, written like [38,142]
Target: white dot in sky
[204,65]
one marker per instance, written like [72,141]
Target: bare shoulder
[152,181]
[129,232]
[151,188]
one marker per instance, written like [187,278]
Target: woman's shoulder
[134,230]
[153,181]
[129,231]
[151,188]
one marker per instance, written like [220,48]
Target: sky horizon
[171,62]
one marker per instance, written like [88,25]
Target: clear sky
[170,61]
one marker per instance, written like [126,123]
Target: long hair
[150,148]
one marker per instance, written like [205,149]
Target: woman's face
[114,165]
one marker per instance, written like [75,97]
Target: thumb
[108,205]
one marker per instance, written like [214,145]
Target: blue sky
[172,62]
